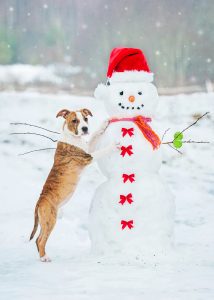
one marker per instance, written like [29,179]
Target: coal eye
[139,93]
[121,93]
[74,121]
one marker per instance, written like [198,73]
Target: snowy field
[74,273]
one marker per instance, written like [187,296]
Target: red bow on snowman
[127,198]
[126,150]
[129,131]
[128,224]
[130,177]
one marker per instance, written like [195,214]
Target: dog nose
[85,129]
[131,98]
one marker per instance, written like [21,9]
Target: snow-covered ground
[73,273]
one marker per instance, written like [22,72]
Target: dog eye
[121,93]
[86,119]
[74,121]
[139,93]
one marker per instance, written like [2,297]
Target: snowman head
[129,91]
[129,99]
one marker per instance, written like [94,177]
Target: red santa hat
[128,65]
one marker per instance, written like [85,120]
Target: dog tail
[36,222]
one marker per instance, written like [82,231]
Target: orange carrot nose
[131,98]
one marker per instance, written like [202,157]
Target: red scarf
[142,123]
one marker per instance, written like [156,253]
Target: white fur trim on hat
[131,76]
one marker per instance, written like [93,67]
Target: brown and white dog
[71,157]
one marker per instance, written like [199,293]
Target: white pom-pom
[101,91]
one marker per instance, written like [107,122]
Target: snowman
[132,212]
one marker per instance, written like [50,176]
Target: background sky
[176,36]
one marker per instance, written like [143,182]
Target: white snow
[74,274]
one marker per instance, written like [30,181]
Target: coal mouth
[130,107]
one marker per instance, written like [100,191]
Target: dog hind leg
[47,220]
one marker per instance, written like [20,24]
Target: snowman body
[132,212]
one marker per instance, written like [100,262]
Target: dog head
[76,122]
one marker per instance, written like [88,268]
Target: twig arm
[175,149]
[36,126]
[36,151]
[191,124]
[34,133]
[164,134]
[187,142]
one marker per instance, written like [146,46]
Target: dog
[71,157]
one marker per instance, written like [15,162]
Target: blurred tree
[176,36]
[8,43]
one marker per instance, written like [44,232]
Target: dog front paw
[104,126]
[117,146]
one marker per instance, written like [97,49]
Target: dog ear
[87,112]
[63,113]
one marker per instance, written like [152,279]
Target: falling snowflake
[45,6]
[126,8]
[157,52]
[67,59]
[193,79]
[208,60]
[165,64]
[200,32]
[158,24]
[11,8]
[84,26]
[28,14]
